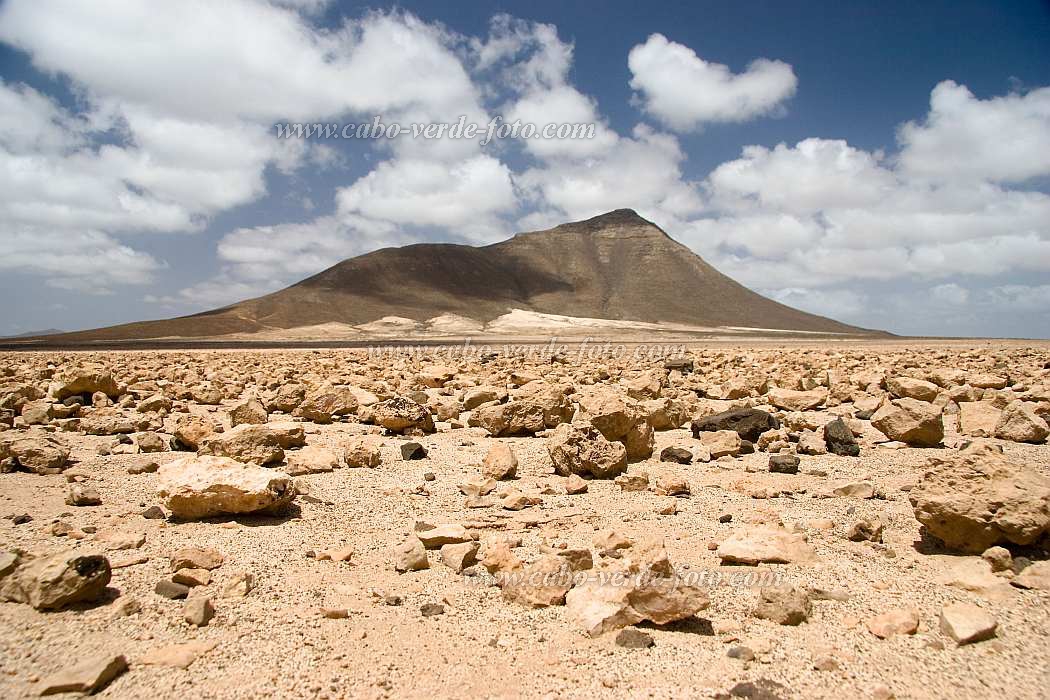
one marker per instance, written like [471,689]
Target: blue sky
[887,164]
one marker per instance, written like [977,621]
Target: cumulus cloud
[642,172]
[277,65]
[684,91]
[136,155]
[822,212]
[531,59]
[1001,139]
[85,261]
[423,192]
[814,174]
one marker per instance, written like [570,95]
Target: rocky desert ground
[846,519]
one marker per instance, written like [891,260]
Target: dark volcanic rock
[413,450]
[783,464]
[679,455]
[748,423]
[839,439]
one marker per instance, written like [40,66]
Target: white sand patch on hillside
[521,321]
[453,324]
[390,325]
[517,323]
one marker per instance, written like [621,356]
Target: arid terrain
[767,520]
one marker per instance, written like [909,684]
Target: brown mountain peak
[617,266]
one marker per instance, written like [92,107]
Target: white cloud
[31,123]
[276,65]
[430,193]
[309,7]
[140,156]
[771,236]
[822,213]
[813,175]
[684,91]
[86,261]
[642,172]
[535,63]
[1002,139]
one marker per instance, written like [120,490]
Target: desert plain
[853,518]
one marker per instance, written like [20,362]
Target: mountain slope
[614,266]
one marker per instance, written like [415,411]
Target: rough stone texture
[249,412]
[764,544]
[201,487]
[400,414]
[41,454]
[322,405]
[784,605]
[52,582]
[362,453]
[678,455]
[1035,576]
[748,423]
[649,592]
[85,381]
[541,584]
[966,623]
[791,400]
[972,501]
[437,537]
[411,555]
[783,464]
[634,638]
[893,622]
[312,460]
[191,431]
[910,388]
[619,418]
[245,443]
[459,556]
[289,435]
[911,421]
[978,418]
[1019,422]
[722,443]
[87,677]
[499,463]
[839,440]
[196,558]
[583,450]
[198,612]
[301,618]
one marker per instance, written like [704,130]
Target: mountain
[615,266]
[34,334]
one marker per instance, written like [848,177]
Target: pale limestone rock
[201,487]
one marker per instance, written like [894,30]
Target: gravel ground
[275,642]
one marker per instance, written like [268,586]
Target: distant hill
[35,334]
[615,266]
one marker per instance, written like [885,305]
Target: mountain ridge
[615,266]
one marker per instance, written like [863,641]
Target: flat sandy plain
[276,642]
